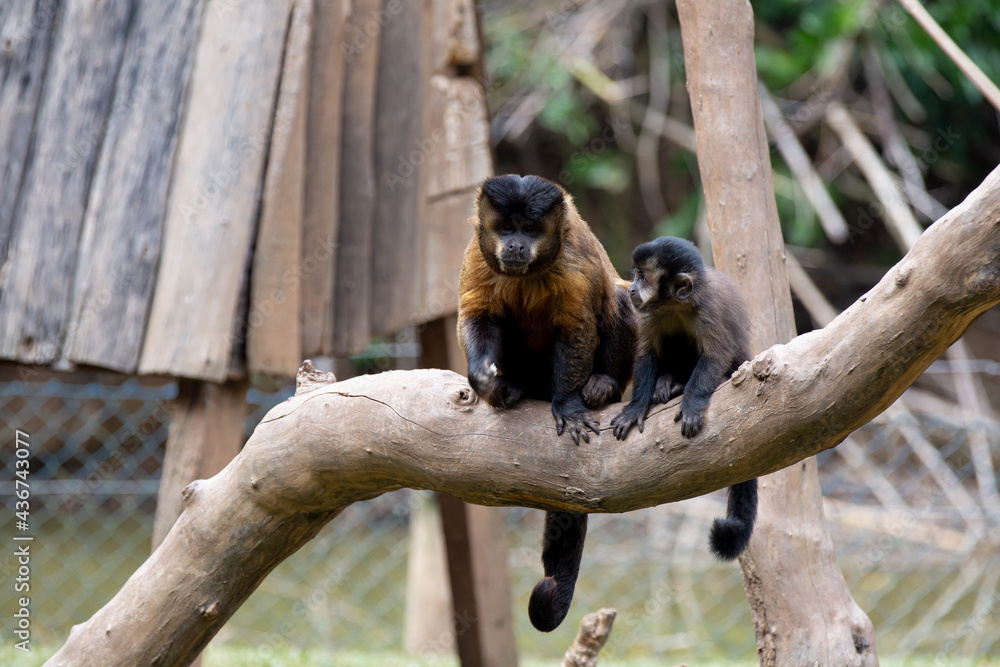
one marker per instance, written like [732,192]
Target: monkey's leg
[573,361]
[562,549]
[666,389]
[615,355]
[643,386]
[482,341]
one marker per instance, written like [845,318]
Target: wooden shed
[211,189]
[206,188]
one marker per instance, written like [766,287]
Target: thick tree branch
[332,445]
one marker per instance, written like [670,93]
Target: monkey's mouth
[514,265]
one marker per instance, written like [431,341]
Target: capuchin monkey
[694,332]
[542,314]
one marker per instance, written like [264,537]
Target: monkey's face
[653,287]
[665,274]
[520,223]
[519,242]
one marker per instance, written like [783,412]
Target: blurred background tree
[578,90]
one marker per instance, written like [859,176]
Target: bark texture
[332,445]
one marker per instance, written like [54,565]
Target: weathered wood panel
[25,40]
[446,234]
[460,160]
[402,146]
[352,300]
[214,198]
[274,335]
[455,40]
[322,177]
[123,226]
[69,131]
[460,133]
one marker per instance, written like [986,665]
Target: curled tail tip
[729,537]
[542,607]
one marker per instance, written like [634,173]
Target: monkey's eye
[530,228]
[506,228]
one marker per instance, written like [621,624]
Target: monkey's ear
[683,285]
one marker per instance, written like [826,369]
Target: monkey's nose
[631,289]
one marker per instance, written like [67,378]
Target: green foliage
[684,218]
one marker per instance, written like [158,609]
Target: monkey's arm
[708,374]
[480,338]
[643,386]
[573,362]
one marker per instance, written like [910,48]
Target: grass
[235,655]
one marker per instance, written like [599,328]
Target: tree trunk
[335,444]
[803,612]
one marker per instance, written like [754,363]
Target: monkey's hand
[571,415]
[691,416]
[666,389]
[495,389]
[634,414]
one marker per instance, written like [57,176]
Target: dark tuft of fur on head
[673,255]
[528,196]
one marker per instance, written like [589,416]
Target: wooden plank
[214,198]
[401,149]
[322,179]
[69,131]
[274,334]
[439,347]
[122,229]
[352,300]
[476,543]
[455,40]
[460,134]
[458,547]
[446,234]
[491,576]
[205,434]
[26,38]
[428,621]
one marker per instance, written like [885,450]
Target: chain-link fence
[911,504]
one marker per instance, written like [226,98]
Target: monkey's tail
[562,549]
[730,536]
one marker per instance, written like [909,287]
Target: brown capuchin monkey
[694,332]
[543,314]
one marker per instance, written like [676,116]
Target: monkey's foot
[571,415]
[600,389]
[666,389]
[632,415]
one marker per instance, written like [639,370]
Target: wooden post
[475,542]
[205,434]
[802,610]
